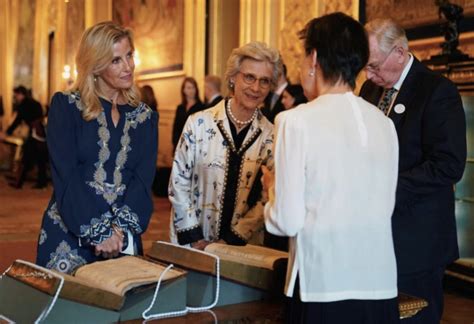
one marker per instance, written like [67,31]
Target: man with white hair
[427,111]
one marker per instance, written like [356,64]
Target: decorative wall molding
[425,48]
[75,26]
[411,13]
[195,39]
[348,7]
[295,13]
[23,69]
[8,40]
[97,11]
[259,19]
[223,35]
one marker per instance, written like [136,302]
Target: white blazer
[336,166]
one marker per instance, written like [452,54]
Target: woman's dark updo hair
[341,45]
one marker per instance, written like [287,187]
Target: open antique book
[122,274]
[251,265]
[102,283]
[252,255]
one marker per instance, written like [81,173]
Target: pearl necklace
[241,123]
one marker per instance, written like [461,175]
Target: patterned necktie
[386,100]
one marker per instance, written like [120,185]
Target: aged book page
[122,274]
[252,255]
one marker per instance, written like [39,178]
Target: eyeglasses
[250,79]
[375,67]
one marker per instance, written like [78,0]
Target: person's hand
[200,245]
[111,247]
[268,178]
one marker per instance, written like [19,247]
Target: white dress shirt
[399,83]
[336,168]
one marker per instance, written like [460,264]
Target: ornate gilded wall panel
[410,13]
[75,25]
[425,48]
[158,28]
[296,13]
[24,49]
[9,12]
[348,7]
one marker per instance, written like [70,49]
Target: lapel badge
[399,108]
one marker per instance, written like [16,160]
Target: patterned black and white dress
[214,181]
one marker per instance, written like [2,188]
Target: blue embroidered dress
[102,175]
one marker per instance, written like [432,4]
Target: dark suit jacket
[432,143]
[214,102]
[271,113]
[180,119]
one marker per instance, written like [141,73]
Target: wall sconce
[136,59]
[66,72]
[69,75]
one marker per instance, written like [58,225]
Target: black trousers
[34,152]
[351,311]
[429,286]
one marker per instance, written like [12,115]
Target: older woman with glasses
[219,155]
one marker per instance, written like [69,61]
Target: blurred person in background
[190,103]
[212,90]
[148,97]
[292,96]
[35,152]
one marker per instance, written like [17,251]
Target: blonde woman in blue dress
[103,143]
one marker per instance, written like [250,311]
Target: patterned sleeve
[79,209]
[185,218]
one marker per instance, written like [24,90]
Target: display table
[267,312]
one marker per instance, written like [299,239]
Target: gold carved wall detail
[410,13]
[52,15]
[295,16]
[24,47]
[75,25]
[345,6]
[423,49]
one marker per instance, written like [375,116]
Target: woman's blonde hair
[93,56]
[257,51]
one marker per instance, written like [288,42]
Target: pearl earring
[311,73]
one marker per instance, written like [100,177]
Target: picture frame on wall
[158,29]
